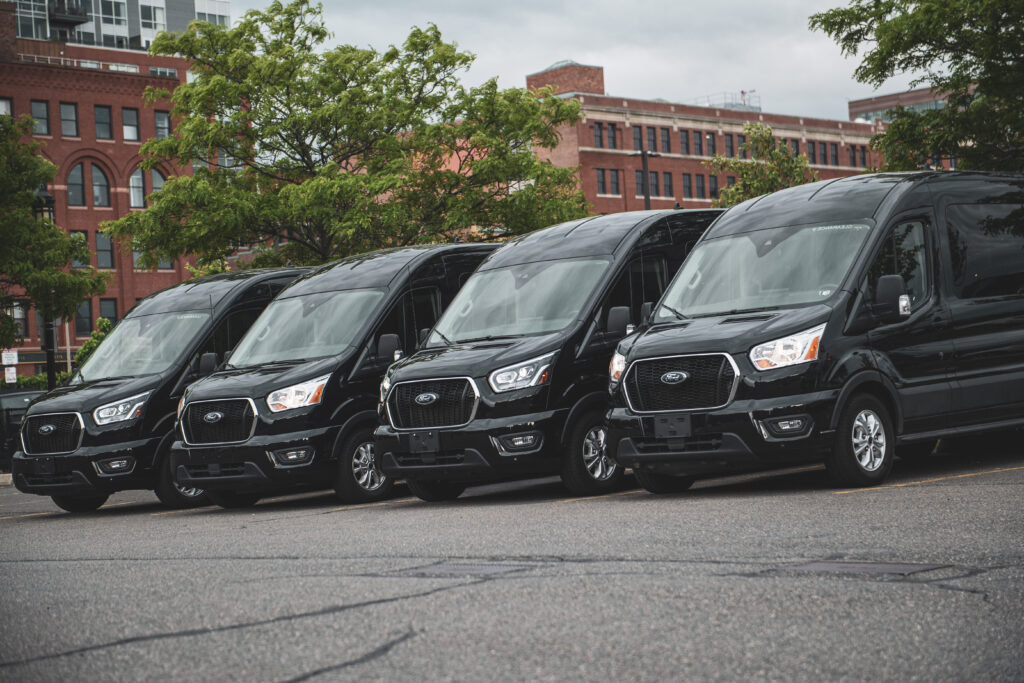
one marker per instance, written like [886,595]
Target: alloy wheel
[868,435]
[364,468]
[595,455]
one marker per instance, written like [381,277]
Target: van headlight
[529,373]
[297,396]
[616,367]
[801,347]
[120,411]
[385,386]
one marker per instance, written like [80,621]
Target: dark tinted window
[666,145]
[69,119]
[698,143]
[613,176]
[104,127]
[812,154]
[643,281]
[108,309]
[104,251]
[613,138]
[687,186]
[711,144]
[76,186]
[598,135]
[83,236]
[684,142]
[903,253]
[41,114]
[700,186]
[415,311]
[986,248]
[601,189]
[729,151]
[652,139]
[638,138]
[83,319]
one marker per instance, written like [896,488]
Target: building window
[83,319]
[104,127]
[163,124]
[163,71]
[730,180]
[823,153]
[812,155]
[652,139]
[613,176]
[598,135]
[666,143]
[795,145]
[41,114]
[164,264]
[667,178]
[864,158]
[137,190]
[108,309]
[639,183]
[130,123]
[711,144]
[76,186]
[69,119]
[853,155]
[104,251]
[684,142]
[601,189]
[82,236]
[114,12]
[152,17]
[700,186]
[158,180]
[730,151]
[6,106]
[698,143]
[687,186]
[638,137]
[740,141]
[834,148]
[713,186]
[655,192]
[100,187]
[17,312]
[613,136]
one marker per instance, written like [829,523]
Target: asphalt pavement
[777,576]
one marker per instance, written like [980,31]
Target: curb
[5,479]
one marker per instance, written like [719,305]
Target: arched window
[137,189]
[100,187]
[76,186]
[158,180]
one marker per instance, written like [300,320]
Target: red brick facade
[718,127]
[88,77]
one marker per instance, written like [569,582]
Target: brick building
[604,143]
[89,114]
[878,108]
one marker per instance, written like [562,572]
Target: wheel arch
[363,418]
[876,384]
[595,400]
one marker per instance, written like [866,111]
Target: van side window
[230,331]
[903,253]
[643,281]
[986,248]
[416,310]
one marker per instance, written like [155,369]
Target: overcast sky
[676,50]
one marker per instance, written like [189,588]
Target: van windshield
[306,327]
[763,269]
[143,345]
[529,298]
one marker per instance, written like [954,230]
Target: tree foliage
[103,328]
[36,253]
[314,153]
[771,166]
[970,52]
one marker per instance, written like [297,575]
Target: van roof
[375,268]
[594,236]
[207,292]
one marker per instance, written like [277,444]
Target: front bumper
[251,466]
[473,453]
[736,438]
[78,473]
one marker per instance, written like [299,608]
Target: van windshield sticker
[852,226]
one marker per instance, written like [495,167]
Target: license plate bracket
[45,465]
[673,426]
[426,441]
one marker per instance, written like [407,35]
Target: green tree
[36,253]
[970,52]
[771,166]
[311,153]
[103,328]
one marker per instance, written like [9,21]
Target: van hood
[734,334]
[86,397]
[476,359]
[259,380]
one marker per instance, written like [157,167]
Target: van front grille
[654,385]
[49,434]
[432,403]
[217,422]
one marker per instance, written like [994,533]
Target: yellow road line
[117,505]
[173,512]
[372,505]
[631,492]
[33,514]
[929,481]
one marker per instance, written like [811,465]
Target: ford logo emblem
[675,377]
[47,429]
[213,417]
[427,398]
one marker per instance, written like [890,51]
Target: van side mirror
[208,363]
[645,311]
[891,301]
[618,321]
[423,335]
[388,346]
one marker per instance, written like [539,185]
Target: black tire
[80,503]
[586,468]
[371,484]
[662,483]
[174,496]
[864,419]
[916,450]
[232,500]
[435,491]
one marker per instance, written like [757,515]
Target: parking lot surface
[776,576]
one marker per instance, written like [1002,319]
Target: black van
[511,381]
[295,407]
[849,320]
[110,427]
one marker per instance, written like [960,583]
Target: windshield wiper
[738,311]
[440,334]
[490,337]
[679,315]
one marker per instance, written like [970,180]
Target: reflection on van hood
[86,397]
[259,380]
[735,333]
[476,359]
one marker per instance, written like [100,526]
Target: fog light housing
[518,443]
[124,464]
[291,457]
[788,426]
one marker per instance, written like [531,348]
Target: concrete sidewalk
[5,479]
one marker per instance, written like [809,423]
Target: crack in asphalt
[368,657]
[185,633]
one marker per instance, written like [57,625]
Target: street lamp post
[44,210]
[645,175]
